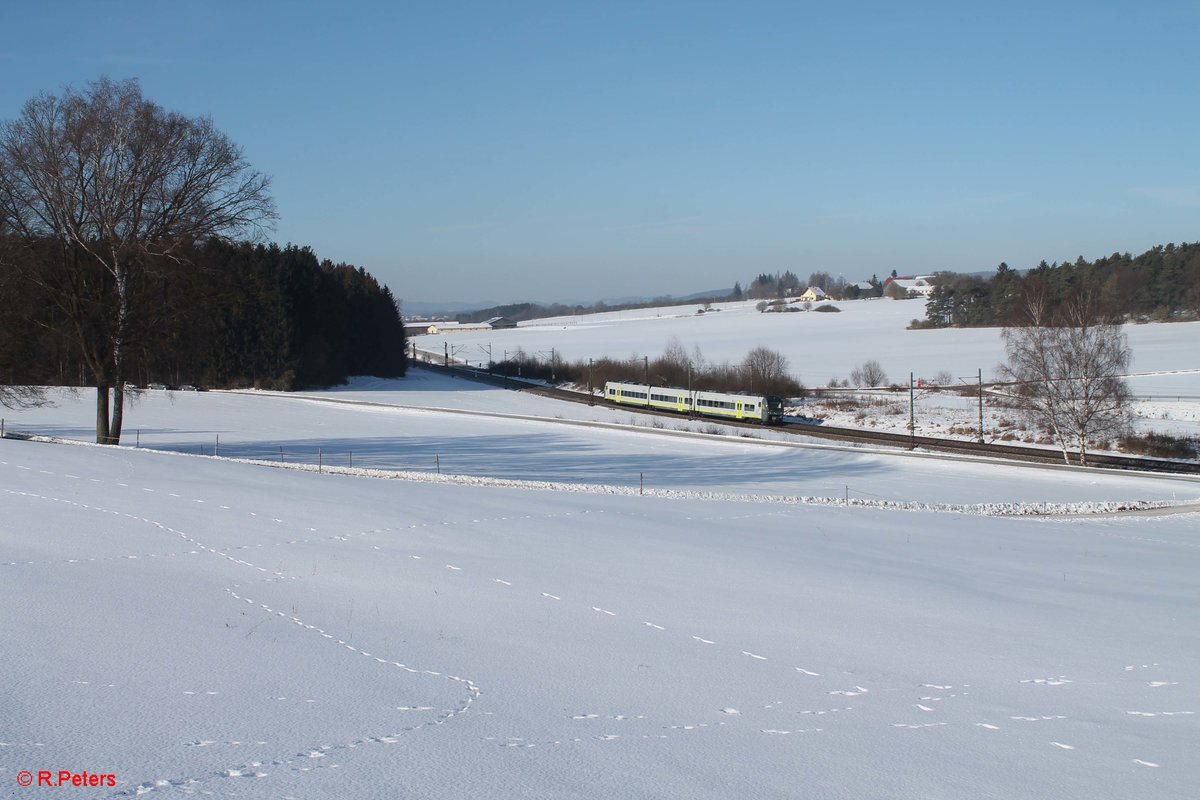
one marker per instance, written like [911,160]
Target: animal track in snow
[828,711]
[855,692]
[1061,680]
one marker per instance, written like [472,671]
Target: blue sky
[568,151]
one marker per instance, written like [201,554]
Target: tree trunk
[118,354]
[1063,442]
[118,413]
[101,413]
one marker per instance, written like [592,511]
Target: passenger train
[767,409]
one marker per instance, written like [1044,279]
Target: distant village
[893,286]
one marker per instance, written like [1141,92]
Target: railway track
[857,435]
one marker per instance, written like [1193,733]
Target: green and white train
[767,409]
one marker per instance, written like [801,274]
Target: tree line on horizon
[218,314]
[1162,283]
[764,286]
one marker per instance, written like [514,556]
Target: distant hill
[448,308]
[519,312]
[476,311]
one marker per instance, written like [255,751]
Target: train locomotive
[766,409]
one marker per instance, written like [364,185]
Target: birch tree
[117,183]
[1068,373]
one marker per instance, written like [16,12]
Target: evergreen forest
[217,314]
[1161,284]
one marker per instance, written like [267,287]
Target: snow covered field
[1166,357]
[204,626]
[428,423]
[818,346]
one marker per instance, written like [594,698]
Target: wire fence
[319,457]
[283,453]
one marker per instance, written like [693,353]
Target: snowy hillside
[820,347]
[202,626]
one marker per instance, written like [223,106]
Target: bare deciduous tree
[1068,373]
[766,366]
[22,396]
[869,373]
[119,182]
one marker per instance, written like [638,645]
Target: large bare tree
[1068,372]
[119,183]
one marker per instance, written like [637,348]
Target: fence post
[1,428]
[280,454]
[351,459]
[438,460]
[217,446]
[320,461]
[641,482]
[137,440]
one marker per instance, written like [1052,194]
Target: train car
[767,409]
